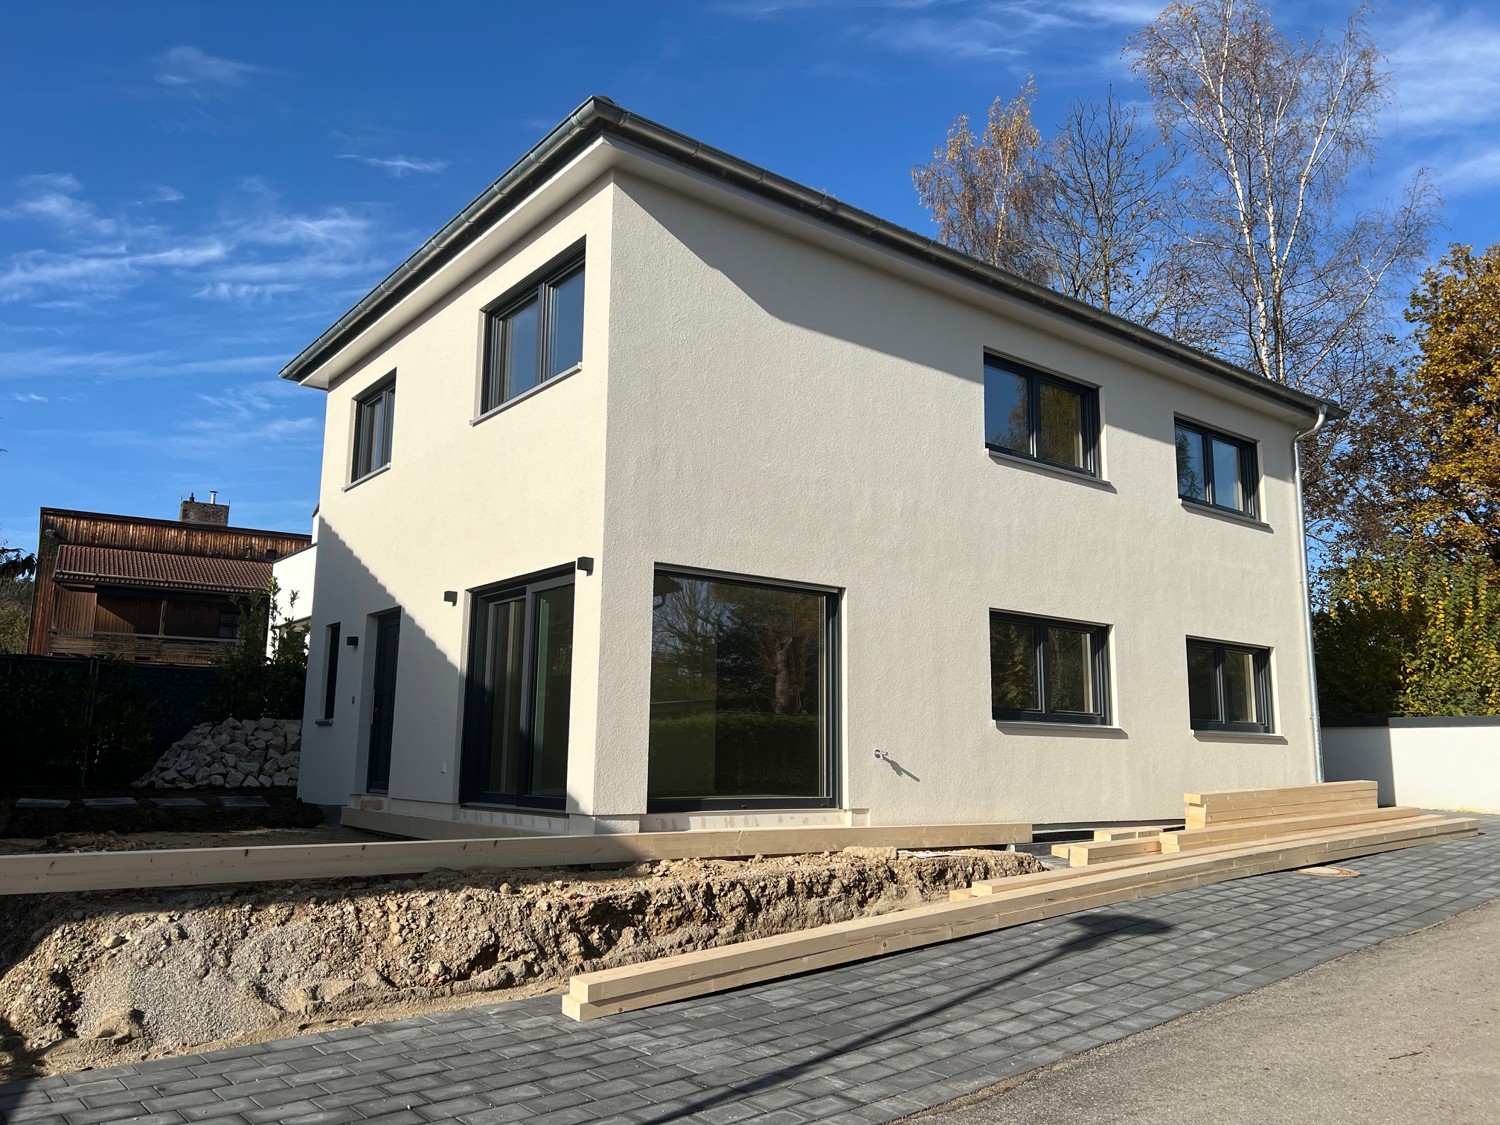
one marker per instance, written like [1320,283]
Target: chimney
[213,512]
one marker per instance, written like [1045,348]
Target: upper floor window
[1216,469]
[1047,671]
[374,413]
[1040,416]
[533,334]
[1229,687]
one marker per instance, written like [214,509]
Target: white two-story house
[660,491]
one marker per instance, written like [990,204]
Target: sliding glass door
[520,691]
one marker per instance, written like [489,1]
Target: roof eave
[599,115]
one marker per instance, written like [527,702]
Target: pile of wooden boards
[1241,816]
[1287,829]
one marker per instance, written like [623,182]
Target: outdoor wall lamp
[586,564]
[450,596]
[352,641]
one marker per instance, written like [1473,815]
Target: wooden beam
[102,871]
[1081,855]
[1137,833]
[1236,831]
[1047,895]
[1203,810]
[1318,792]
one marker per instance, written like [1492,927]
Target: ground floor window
[1047,671]
[520,692]
[1229,687]
[742,694]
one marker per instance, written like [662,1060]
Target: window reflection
[738,707]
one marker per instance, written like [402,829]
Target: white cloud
[1445,70]
[59,362]
[1476,170]
[186,66]
[259,252]
[53,198]
[29,398]
[399,165]
[164,193]
[961,30]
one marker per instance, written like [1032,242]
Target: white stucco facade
[764,395]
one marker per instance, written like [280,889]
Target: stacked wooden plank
[1236,806]
[1239,816]
[995,904]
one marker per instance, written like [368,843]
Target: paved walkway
[1405,1031]
[860,1043]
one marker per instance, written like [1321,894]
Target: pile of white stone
[234,754]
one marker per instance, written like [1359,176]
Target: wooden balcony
[137,647]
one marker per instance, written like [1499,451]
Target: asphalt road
[1405,1031]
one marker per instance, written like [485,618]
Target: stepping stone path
[110,803]
[243,803]
[41,803]
[177,802]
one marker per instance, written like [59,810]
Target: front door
[383,707]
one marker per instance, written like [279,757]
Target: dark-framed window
[330,670]
[1044,670]
[1032,414]
[743,694]
[374,417]
[520,692]
[1216,469]
[1229,686]
[229,624]
[533,333]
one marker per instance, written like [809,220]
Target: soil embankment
[106,978]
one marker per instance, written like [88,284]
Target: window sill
[1225,514]
[1047,468]
[1270,737]
[371,475]
[1022,726]
[551,380]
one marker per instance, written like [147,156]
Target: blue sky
[191,192]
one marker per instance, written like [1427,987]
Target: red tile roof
[111,566]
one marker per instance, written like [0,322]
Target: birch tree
[983,191]
[1288,281]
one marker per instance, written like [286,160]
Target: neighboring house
[710,500]
[146,589]
[293,575]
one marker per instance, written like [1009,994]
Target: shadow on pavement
[1094,930]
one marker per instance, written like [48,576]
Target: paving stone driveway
[866,1042]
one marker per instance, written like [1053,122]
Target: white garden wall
[1439,763]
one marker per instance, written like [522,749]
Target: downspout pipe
[1312,668]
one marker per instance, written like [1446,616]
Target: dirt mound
[106,978]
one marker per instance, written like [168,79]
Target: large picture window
[520,692]
[374,420]
[1229,687]
[534,334]
[741,694]
[1047,671]
[1040,416]
[1216,469]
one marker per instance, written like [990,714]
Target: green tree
[1409,631]
[252,681]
